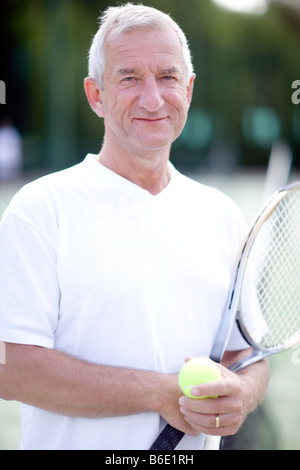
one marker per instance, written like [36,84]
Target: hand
[231,406]
[169,408]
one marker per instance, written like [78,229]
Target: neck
[149,171]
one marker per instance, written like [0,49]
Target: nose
[150,97]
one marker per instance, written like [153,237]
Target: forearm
[255,378]
[57,382]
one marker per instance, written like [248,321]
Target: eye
[168,78]
[129,80]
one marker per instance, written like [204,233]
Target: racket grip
[168,439]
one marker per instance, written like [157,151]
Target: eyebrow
[128,71]
[171,70]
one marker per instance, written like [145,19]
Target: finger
[217,388]
[212,406]
[187,359]
[218,425]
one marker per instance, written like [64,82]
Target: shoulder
[216,210]
[40,203]
[44,193]
[212,198]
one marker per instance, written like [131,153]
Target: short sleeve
[29,289]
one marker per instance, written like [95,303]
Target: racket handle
[168,439]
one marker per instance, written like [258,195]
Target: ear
[93,94]
[190,89]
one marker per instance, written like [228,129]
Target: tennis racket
[264,295]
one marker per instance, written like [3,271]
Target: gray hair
[131,17]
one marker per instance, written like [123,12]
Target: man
[117,269]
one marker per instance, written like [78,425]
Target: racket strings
[271,287]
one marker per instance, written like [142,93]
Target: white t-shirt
[99,268]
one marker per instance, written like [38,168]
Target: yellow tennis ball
[197,371]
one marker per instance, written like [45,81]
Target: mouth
[151,120]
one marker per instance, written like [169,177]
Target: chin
[156,144]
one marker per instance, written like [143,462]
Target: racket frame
[232,311]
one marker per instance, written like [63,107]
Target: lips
[151,120]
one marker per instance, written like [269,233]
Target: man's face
[145,96]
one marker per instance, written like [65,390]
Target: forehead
[144,47]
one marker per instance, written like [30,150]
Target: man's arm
[57,382]
[60,383]
[238,395]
